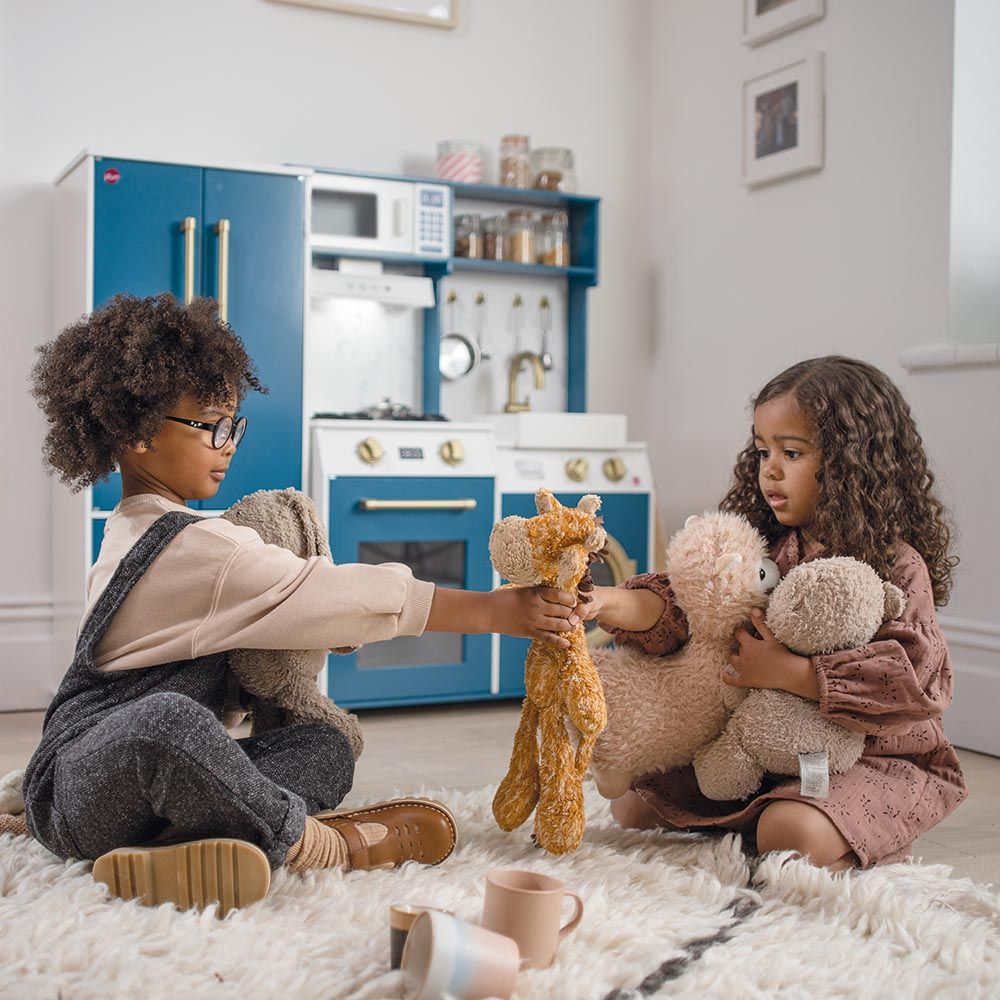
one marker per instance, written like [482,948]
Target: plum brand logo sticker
[112,175]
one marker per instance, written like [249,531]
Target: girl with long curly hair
[834,466]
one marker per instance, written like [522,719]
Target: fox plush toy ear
[545,501]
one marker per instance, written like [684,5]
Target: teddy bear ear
[590,504]
[727,561]
[895,601]
[545,501]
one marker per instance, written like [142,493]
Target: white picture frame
[783,121]
[431,13]
[766,19]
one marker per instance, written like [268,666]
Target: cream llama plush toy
[819,607]
[662,710]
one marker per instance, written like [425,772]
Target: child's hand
[766,663]
[533,613]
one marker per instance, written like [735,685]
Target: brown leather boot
[417,830]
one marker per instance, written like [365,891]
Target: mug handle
[575,919]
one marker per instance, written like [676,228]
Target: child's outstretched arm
[527,612]
[641,612]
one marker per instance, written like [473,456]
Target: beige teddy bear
[819,607]
[281,683]
[662,710]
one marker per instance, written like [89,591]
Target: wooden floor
[467,746]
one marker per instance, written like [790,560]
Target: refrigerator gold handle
[222,230]
[188,227]
[463,504]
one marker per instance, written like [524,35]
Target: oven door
[440,528]
[626,520]
[361,214]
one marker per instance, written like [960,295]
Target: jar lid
[471,219]
[520,215]
[515,140]
[555,152]
[459,146]
[558,217]
[495,221]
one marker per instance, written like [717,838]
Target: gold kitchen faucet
[516,364]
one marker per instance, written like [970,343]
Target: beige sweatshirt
[217,586]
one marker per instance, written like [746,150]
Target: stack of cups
[460,160]
[447,957]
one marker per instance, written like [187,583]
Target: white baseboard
[971,721]
[28,679]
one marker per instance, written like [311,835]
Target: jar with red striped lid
[460,160]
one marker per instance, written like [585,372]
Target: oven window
[345,213]
[443,563]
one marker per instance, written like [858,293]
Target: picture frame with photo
[783,121]
[431,13]
[767,19]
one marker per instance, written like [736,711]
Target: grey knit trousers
[125,754]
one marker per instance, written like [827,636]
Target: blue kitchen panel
[107,492]
[138,210]
[449,545]
[626,519]
[97,525]
[266,214]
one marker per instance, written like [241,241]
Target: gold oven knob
[614,469]
[577,469]
[370,451]
[453,452]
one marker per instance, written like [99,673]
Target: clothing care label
[814,770]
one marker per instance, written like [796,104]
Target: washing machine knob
[370,451]
[614,469]
[577,469]
[453,452]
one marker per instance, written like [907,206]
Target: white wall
[248,80]
[852,260]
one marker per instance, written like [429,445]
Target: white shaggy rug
[666,914]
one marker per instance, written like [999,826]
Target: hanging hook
[545,322]
[481,319]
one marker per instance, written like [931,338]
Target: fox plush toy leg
[518,792]
[584,698]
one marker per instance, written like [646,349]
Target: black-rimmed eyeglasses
[222,430]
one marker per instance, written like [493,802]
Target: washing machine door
[615,569]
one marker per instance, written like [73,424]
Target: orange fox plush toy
[554,549]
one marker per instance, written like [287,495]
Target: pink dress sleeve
[669,633]
[903,676]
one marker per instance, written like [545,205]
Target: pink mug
[528,907]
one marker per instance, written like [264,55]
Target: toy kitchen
[426,374]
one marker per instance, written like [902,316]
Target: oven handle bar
[462,504]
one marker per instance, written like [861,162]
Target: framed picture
[764,19]
[783,121]
[436,13]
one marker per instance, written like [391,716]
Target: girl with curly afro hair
[834,467]
[135,730]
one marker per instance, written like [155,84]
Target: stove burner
[386,410]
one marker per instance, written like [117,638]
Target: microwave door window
[353,214]
[441,562]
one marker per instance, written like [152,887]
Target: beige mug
[528,907]
[445,958]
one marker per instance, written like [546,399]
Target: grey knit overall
[126,753]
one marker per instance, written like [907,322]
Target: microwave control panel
[433,222]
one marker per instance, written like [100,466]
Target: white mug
[448,959]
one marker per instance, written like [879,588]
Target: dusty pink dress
[893,689]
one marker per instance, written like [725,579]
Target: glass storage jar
[553,243]
[468,236]
[521,236]
[495,238]
[460,160]
[552,169]
[515,161]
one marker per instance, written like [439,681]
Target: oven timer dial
[452,452]
[578,469]
[614,469]
[370,451]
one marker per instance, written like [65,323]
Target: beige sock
[321,846]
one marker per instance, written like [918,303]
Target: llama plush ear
[727,561]
[690,520]
[590,504]
[895,601]
[545,501]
